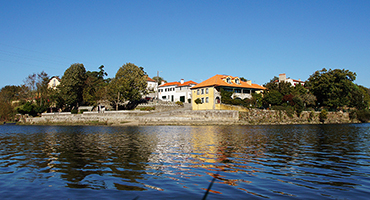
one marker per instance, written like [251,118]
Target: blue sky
[193,40]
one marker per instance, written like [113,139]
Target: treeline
[332,90]
[78,87]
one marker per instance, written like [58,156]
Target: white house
[176,91]
[152,84]
[54,82]
[294,82]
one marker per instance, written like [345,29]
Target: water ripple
[179,162]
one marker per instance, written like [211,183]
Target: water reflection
[304,161]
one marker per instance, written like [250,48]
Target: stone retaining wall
[257,116]
[189,117]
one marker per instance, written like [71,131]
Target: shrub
[352,115]
[180,103]
[311,116]
[363,115]
[74,111]
[323,115]
[147,108]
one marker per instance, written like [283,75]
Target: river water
[182,162]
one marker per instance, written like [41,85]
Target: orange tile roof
[187,83]
[150,79]
[169,84]
[218,80]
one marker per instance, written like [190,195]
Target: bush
[363,115]
[352,115]
[147,108]
[74,111]
[323,115]
[180,103]
[311,116]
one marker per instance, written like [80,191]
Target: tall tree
[42,88]
[72,85]
[129,84]
[95,85]
[332,87]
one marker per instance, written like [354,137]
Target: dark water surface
[179,162]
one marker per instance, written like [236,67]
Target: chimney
[249,82]
[182,81]
[162,82]
[282,77]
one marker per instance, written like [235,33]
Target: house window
[237,81]
[197,91]
[202,99]
[206,99]
[228,80]
[202,91]
[206,90]
[163,97]
[238,91]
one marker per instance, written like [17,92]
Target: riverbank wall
[189,117]
[257,116]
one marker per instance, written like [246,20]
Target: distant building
[294,82]
[209,93]
[152,84]
[54,82]
[176,91]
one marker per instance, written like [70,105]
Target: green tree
[323,115]
[42,82]
[257,99]
[159,80]
[273,84]
[359,97]
[129,85]
[11,93]
[95,86]
[285,88]
[273,97]
[6,111]
[72,85]
[226,96]
[332,87]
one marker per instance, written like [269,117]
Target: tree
[42,82]
[332,88]
[323,115]
[10,93]
[6,111]
[129,85]
[159,80]
[273,84]
[30,83]
[359,98]
[72,85]
[273,97]
[95,86]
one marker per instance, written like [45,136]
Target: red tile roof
[219,80]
